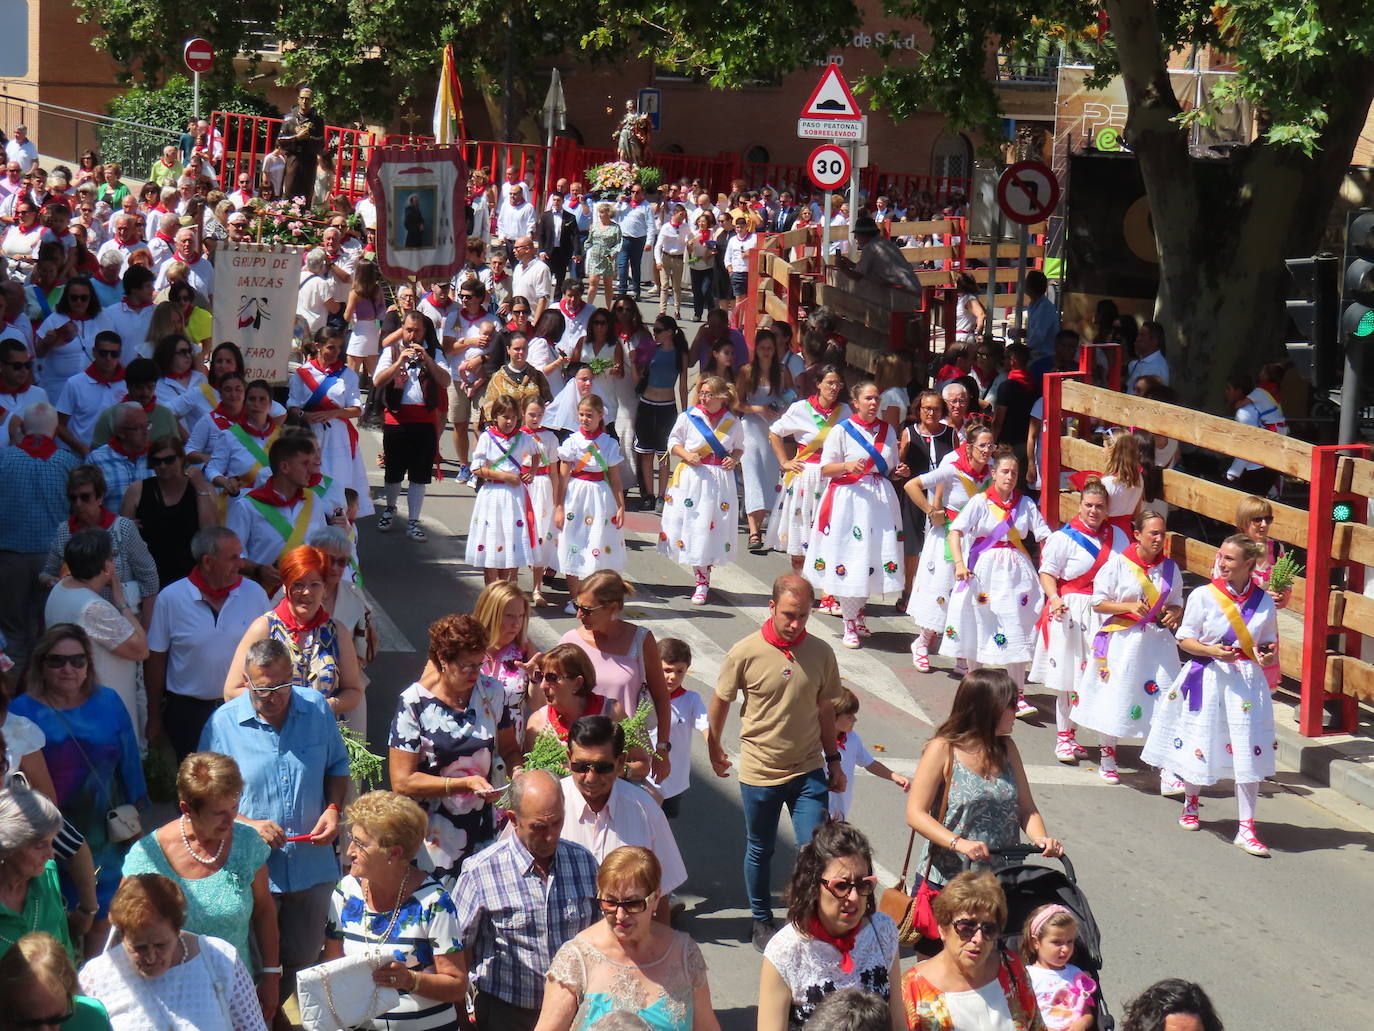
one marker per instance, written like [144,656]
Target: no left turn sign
[1027,192]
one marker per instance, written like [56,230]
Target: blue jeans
[628,262]
[806,797]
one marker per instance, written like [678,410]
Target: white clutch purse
[340,994]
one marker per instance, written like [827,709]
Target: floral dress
[928,1010]
[506,667]
[603,243]
[453,743]
[660,992]
[314,658]
[982,809]
[427,926]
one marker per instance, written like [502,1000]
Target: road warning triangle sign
[832,98]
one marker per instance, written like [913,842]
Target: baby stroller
[1029,886]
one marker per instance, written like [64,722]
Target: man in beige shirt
[788,756]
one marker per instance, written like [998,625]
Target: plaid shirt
[33,498]
[119,473]
[512,921]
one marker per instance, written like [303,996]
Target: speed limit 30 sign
[828,166]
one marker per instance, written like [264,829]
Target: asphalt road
[1280,943]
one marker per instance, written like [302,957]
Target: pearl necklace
[203,860]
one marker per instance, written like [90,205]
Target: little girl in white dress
[502,534]
[589,505]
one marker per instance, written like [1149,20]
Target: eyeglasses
[583,766]
[21,365]
[37,1022]
[268,691]
[519,311]
[465,667]
[78,297]
[842,888]
[586,610]
[539,678]
[83,496]
[966,929]
[169,459]
[55,661]
[184,352]
[105,352]
[609,906]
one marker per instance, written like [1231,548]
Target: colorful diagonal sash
[1099,549]
[293,535]
[715,441]
[1153,596]
[872,465]
[811,452]
[1238,633]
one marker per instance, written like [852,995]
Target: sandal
[539,600]
[756,543]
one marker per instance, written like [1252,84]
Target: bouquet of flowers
[286,221]
[611,180]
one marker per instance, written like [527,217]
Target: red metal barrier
[1318,636]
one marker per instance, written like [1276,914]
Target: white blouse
[799,422]
[209,991]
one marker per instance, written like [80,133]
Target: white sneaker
[415,531]
[699,595]
[851,634]
[1169,785]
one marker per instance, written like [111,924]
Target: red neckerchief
[160,235]
[296,628]
[150,406]
[563,307]
[118,376]
[504,436]
[1020,376]
[815,402]
[705,235]
[498,279]
[107,519]
[676,692]
[844,943]
[268,496]
[595,704]
[1006,506]
[714,420]
[841,736]
[867,427]
[1225,587]
[771,636]
[166,163]
[261,434]
[222,418]
[430,298]
[947,372]
[15,393]
[118,449]
[328,370]
[37,446]
[1104,534]
[1133,554]
[961,463]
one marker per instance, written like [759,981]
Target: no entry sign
[199,55]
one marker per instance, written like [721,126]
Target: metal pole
[825,233]
[853,149]
[1021,275]
[1350,391]
[195,94]
[992,277]
[508,103]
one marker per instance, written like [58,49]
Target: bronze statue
[302,137]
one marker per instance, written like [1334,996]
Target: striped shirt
[426,926]
[512,921]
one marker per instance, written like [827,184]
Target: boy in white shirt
[689,713]
[853,753]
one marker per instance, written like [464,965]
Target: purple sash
[1100,640]
[995,536]
[1192,680]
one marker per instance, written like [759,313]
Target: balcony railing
[1038,72]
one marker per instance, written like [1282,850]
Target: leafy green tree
[164,110]
[1308,70]
[367,58]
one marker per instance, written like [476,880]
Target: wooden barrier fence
[1336,617]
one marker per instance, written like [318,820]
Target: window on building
[952,157]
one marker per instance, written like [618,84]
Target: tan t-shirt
[780,731]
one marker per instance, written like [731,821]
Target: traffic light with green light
[1357,286]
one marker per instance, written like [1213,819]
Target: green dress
[43,910]
[603,243]
[221,904]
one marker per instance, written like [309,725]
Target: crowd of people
[180,553]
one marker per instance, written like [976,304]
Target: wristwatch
[664,747]
[832,757]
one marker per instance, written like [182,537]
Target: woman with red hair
[321,650]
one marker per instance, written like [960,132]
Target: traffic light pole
[1350,390]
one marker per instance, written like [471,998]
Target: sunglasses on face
[103,352]
[586,610]
[540,678]
[156,460]
[519,311]
[609,906]
[583,766]
[78,297]
[82,498]
[966,929]
[841,888]
[183,352]
[21,365]
[54,661]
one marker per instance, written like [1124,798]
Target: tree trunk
[1223,226]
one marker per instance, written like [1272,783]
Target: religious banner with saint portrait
[255,304]
[421,198]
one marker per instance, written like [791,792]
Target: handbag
[915,916]
[340,994]
[122,822]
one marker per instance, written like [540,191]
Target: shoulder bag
[340,994]
[914,916]
[122,822]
